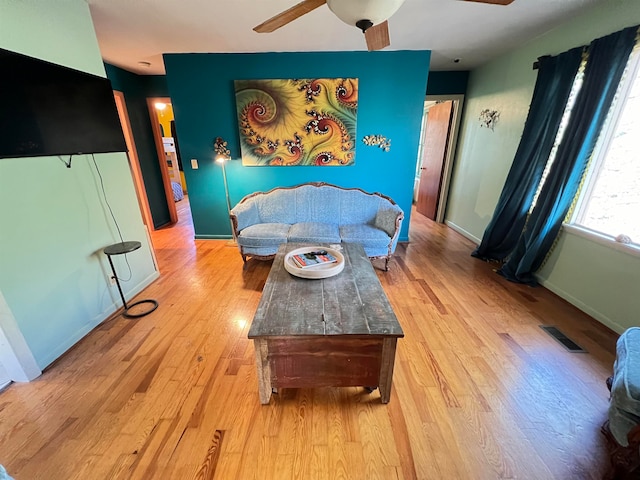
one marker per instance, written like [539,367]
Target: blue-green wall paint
[392,86]
[155,85]
[54,221]
[136,89]
[447,83]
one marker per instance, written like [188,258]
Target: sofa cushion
[314,232]
[386,218]
[370,237]
[264,234]
[624,408]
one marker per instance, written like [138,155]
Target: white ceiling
[133,31]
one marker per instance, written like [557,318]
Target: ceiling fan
[370,16]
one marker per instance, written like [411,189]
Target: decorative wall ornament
[372,140]
[489,118]
[297,122]
[220,147]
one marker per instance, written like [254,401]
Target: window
[609,202]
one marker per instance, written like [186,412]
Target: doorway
[168,149]
[136,172]
[434,165]
[134,163]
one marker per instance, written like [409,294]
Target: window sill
[632,249]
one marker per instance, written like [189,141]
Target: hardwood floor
[479,390]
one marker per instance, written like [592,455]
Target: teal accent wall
[595,277]
[391,96]
[136,90]
[447,83]
[54,222]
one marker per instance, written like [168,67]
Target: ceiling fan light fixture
[364,25]
[352,11]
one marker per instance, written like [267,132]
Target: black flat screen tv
[47,109]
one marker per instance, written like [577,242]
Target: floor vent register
[565,341]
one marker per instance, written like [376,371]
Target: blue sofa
[316,213]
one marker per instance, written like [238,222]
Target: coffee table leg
[386,368]
[264,370]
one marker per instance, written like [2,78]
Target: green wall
[136,90]
[392,86]
[54,222]
[595,277]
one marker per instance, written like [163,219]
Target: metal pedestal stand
[120,249]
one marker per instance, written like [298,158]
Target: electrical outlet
[194,164]
[112,280]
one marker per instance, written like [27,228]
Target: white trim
[4,377]
[15,355]
[462,232]
[602,318]
[632,249]
[60,349]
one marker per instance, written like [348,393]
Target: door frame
[134,162]
[447,168]
[164,169]
[15,355]
[5,379]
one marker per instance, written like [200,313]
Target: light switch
[194,164]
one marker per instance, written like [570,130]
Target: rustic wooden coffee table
[335,332]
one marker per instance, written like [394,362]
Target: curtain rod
[536,64]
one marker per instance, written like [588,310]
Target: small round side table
[120,249]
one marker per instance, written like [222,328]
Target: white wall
[599,280]
[54,220]
[4,377]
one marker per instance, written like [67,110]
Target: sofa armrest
[244,215]
[624,407]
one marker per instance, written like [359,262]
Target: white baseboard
[97,320]
[462,232]
[599,316]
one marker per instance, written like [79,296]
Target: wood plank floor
[479,390]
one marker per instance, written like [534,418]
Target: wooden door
[434,151]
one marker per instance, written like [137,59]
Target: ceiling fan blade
[377,37]
[493,2]
[289,15]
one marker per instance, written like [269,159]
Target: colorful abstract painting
[297,122]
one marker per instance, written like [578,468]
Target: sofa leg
[386,264]
[624,462]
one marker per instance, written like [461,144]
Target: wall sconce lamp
[223,155]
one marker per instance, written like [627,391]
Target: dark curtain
[550,95]
[608,57]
